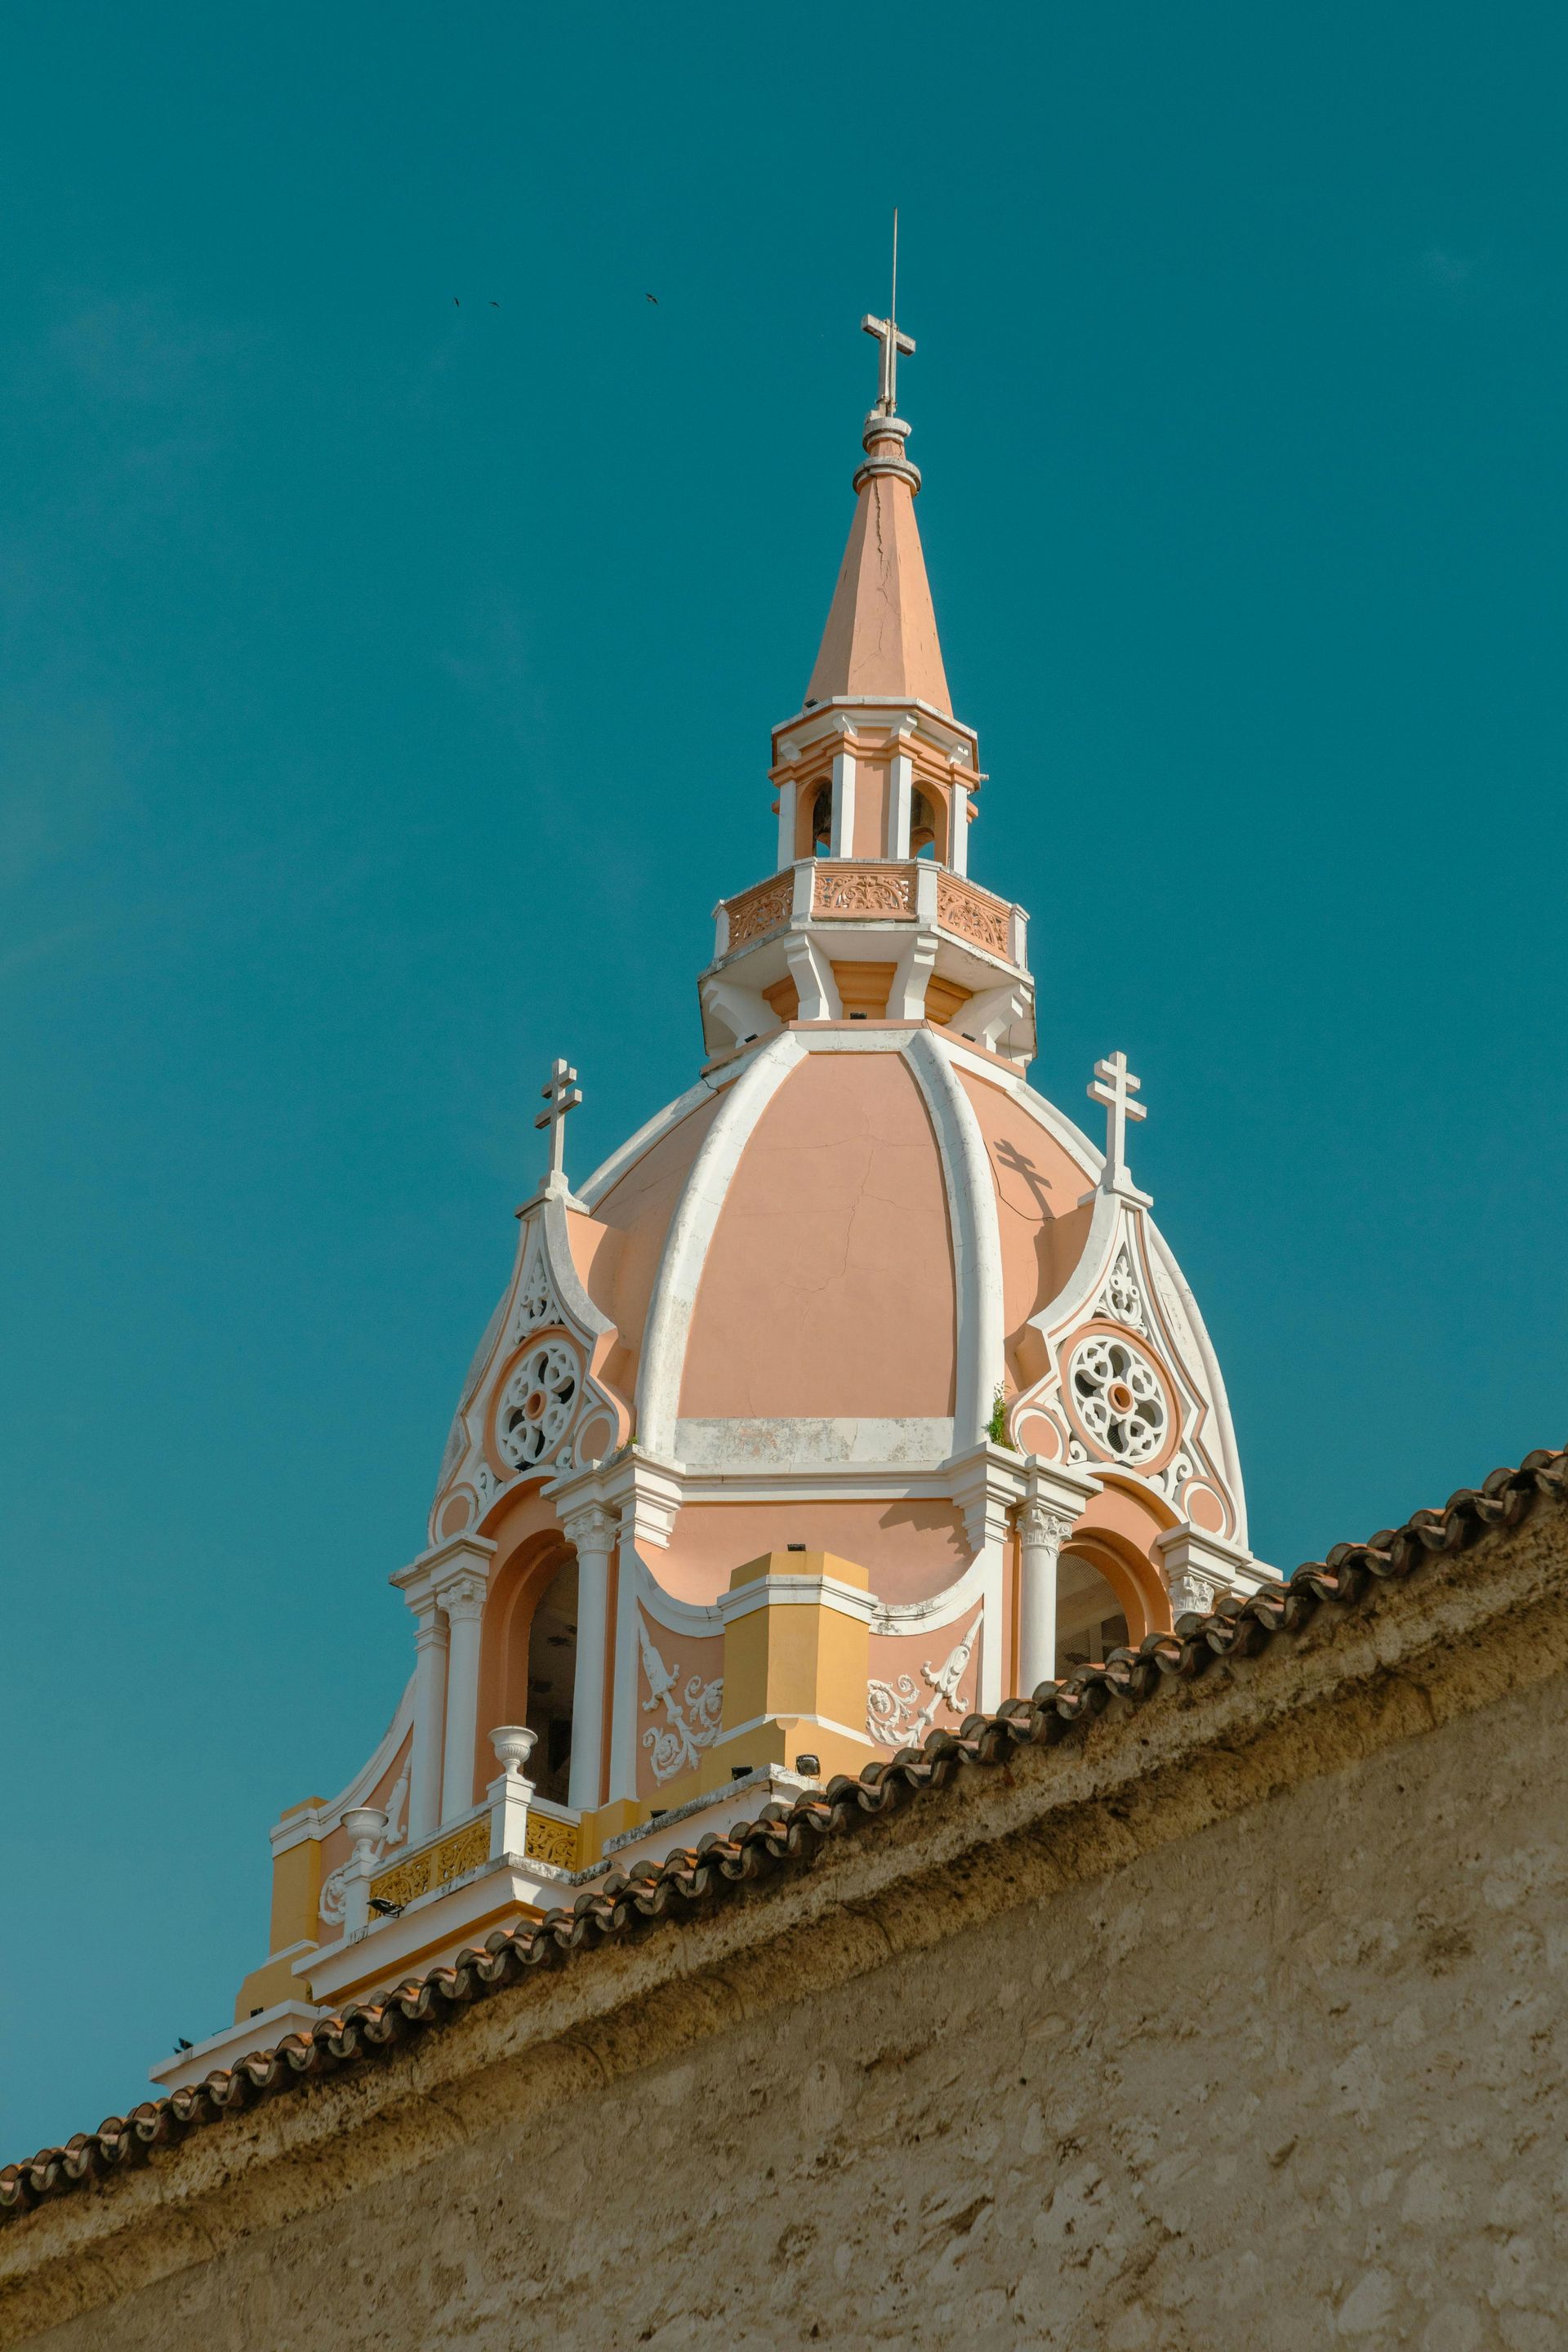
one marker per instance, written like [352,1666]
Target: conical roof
[880,638]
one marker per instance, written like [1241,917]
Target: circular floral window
[537,1403]
[1118,1397]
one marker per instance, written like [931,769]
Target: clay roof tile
[783,1833]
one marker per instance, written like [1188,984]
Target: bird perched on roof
[383,1909]
[181,2043]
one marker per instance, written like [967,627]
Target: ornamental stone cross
[893,340]
[887,333]
[562,1094]
[1115,1086]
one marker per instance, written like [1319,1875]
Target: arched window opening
[1090,1622]
[922,827]
[822,822]
[551,1678]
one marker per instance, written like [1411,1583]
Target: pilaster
[842,839]
[424,1584]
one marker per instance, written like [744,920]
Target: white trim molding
[692,1230]
[975,1232]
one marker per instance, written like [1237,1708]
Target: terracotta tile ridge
[721,1864]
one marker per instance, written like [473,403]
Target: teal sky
[385,702]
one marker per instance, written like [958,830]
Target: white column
[1040,1534]
[592,1534]
[841,841]
[1051,1511]
[429,1722]
[463,1603]
[958,847]
[786,825]
[900,787]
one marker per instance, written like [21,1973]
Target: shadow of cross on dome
[1008,1155]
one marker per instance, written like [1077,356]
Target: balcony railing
[513,1820]
[874,891]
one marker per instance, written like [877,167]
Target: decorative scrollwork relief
[1121,1299]
[971,914]
[886,892]
[894,1716]
[1118,1397]
[549,1840]
[537,1404]
[535,1303]
[1173,1476]
[436,1865]
[756,912]
[692,1715]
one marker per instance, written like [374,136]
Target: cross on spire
[1115,1086]
[892,337]
[562,1094]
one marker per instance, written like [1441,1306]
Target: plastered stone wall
[1290,2074]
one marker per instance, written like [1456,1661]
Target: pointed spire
[880,638]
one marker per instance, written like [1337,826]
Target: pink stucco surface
[829,1286]
[880,636]
[1037,1190]
[909,1549]
[636,1212]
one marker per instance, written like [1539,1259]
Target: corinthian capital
[592,1528]
[463,1597]
[1043,1528]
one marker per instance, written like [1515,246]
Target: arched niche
[518,1585]
[552,1680]
[1091,1616]
[928,824]
[813,818]
[1128,1574]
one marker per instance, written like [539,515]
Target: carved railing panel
[886,893]
[972,915]
[436,1865]
[758,911]
[552,1841]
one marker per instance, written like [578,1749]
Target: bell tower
[870,914]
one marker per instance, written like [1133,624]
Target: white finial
[1115,1086]
[888,335]
[562,1094]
